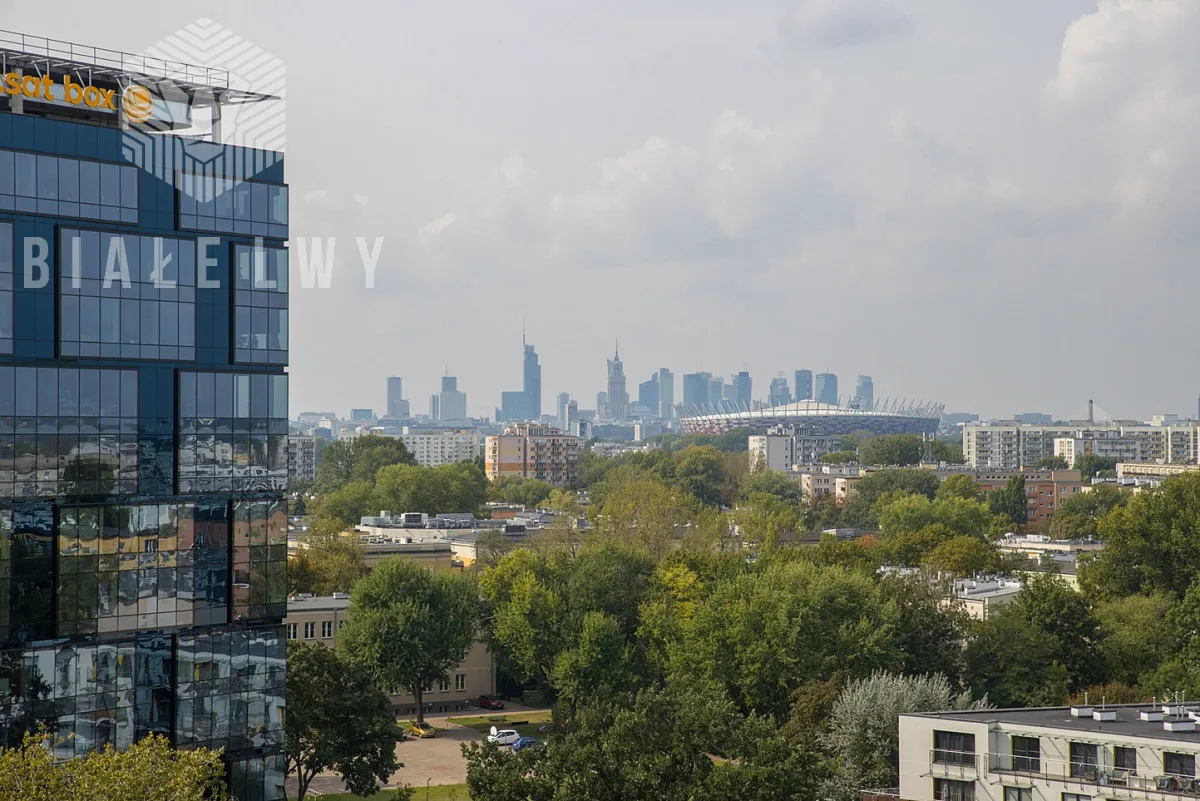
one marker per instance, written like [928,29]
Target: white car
[503,736]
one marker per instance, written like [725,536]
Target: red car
[490,702]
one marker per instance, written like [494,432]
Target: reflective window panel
[230,206]
[260,304]
[34,183]
[7,259]
[26,573]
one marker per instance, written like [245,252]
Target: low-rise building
[783,446]
[317,619]
[981,596]
[1135,752]
[533,451]
[1033,546]
[302,458]
[1143,474]
[1044,489]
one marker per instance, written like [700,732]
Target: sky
[987,204]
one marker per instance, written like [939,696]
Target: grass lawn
[483,724]
[440,792]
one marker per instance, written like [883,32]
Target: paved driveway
[438,759]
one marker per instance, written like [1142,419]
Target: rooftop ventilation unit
[1179,724]
[1081,711]
[1151,714]
[1104,714]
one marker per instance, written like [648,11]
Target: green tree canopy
[1010,501]
[1050,604]
[530,492]
[359,459]
[1012,662]
[1052,463]
[457,487]
[959,486]
[409,625]
[1078,517]
[870,488]
[893,450]
[350,730]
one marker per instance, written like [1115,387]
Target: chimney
[1091,411]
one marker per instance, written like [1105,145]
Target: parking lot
[437,760]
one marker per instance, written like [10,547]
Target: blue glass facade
[143,449]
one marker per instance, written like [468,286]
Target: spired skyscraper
[533,383]
[143,424]
[618,398]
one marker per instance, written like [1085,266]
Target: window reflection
[260,304]
[26,570]
[260,559]
[127,296]
[66,187]
[67,432]
[231,206]
[232,432]
[7,257]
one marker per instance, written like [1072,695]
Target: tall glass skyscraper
[804,385]
[143,424]
[532,383]
[827,388]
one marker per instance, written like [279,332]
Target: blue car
[524,742]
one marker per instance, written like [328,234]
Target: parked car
[421,730]
[490,702]
[503,736]
[524,742]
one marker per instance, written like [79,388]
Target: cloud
[429,233]
[842,23]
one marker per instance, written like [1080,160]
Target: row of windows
[66,187]
[260,304]
[229,206]
[310,629]
[6,288]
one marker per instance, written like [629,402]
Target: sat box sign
[136,101]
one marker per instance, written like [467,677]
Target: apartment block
[1083,753]
[783,446]
[317,619]
[533,451]
[302,459]
[433,448]
[1044,489]
[1014,446]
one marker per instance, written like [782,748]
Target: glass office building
[143,432]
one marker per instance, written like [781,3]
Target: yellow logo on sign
[137,103]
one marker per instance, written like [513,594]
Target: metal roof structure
[204,86]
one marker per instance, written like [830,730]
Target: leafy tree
[530,492]
[1052,463]
[490,548]
[948,452]
[899,513]
[1136,636]
[701,472]
[457,487]
[327,561]
[359,459]
[1050,604]
[1011,501]
[351,730]
[349,503]
[149,769]
[1012,662]
[1152,544]
[871,487]
[640,509]
[892,449]
[958,486]
[1090,466]
[409,625]
[840,457]
[864,735]
[964,556]
[596,667]
[926,632]
[1078,517]
[770,482]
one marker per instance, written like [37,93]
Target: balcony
[953,764]
[1120,783]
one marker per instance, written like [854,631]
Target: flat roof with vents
[1126,722]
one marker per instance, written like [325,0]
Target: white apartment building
[783,446]
[438,447]
[1123,449]
[302,458]
[1014,446]
[983,595]
[1130,752]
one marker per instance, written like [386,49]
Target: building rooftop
[307,602]
[1127,723]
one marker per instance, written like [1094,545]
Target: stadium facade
[818,418]
[143,413]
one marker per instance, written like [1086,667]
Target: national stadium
[896,417]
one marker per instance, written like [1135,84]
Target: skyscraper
[804,385]
[143,426]
[695,389]
[601,405]
[666,394]
[533,384]
[397,407]
[716,391]
[618,398]
[827,389]
[864,393]
[564,400]
[452,404]
[742,390]
[778,395]
[648,394]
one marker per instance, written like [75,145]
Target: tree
[948,452]
[1090,466]
[349,503]
[926,632]
[1047,602]
[457,487]
[1012,662]
[769,482]
[149,768]
[964,556]
[1011,500]
[1136,636]
[1052,463]
[1078,517]
[863,737]
[359,459]
[596,668]
[701,472]
[409,625]
[892,449]
[328,561]
[530,492]
[351,730]
[640,509]
[898,513]
[959,486]
[839,457]
[871,487]
[1152,544]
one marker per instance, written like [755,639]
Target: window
[326,629]
[1027,754]
[1125,758]
[124,296]
[1084,759]
[953,748]
[443,685]
[950,790]
[1179,764]
[1075,797]
[291,631]
[260,559]
[231,206]
[232,432]
[260,330]
[7,257]
[1018,794]
[310,630]
[460,682]
[65,187]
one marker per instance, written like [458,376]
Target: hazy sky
[991,203]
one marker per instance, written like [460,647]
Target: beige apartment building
[533,451]
[1044,489]
[318,618]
